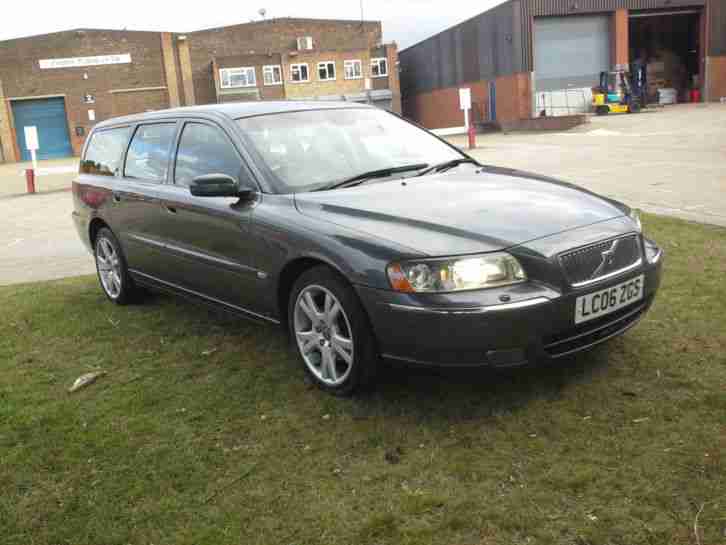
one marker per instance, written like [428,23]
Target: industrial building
[64,83]
[530,58]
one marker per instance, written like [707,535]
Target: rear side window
[148,155]
[204,150]
[105,152]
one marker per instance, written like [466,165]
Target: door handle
[170,209]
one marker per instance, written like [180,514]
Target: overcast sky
[405,21]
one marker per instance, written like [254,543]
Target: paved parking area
[53,175]
[669,161]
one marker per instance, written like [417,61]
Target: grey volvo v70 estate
[362,234]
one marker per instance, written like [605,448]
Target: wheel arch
[94,227]
[290,273]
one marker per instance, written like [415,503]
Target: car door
[136,197]
[208,238]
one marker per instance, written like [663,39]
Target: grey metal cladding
[480,48]
[571,7]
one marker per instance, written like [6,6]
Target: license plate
[607,300]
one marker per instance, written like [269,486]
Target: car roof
[236,110]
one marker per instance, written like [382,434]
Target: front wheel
[330,332]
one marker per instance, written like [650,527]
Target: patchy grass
[176,445]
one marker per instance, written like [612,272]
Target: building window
[299,72]
[326,70]
[272,74]
[353,69]
[238,77]
[379,67]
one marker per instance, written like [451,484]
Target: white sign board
[75,62]
[31,138]
[465,99]
[92,115]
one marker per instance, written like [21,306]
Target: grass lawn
[204,430]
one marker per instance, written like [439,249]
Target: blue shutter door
[49,115]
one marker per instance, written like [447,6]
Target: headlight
[456,274]
[635,217]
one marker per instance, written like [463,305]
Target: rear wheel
[111,268]
[330,332]
[634,106]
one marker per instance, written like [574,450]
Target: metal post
[30,180]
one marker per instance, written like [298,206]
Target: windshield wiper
[446,165]
[379,173]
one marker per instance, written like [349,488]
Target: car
[366,237]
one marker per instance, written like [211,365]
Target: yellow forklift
[618,93]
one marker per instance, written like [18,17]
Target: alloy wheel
[109,267]
[323,334]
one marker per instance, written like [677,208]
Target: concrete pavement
[669,161]
[52,175]
[38,240]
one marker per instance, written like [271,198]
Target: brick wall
[171,69]
[261,91]
[716,78]
[439,109]
[271,36]
[316,87]
[22,76]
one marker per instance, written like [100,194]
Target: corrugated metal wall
[482,48]
[499,41]
[572,7]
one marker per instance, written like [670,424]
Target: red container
[695,95]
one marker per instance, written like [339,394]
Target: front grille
[594,332]
[601,260]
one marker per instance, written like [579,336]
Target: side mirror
[217,185]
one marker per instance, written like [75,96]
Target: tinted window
[204,150]
[104,152]
[148,155]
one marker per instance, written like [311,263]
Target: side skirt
[149,281]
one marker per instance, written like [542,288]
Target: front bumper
[500,327]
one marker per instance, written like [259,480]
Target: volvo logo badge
[608,258]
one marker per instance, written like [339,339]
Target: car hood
[462,212]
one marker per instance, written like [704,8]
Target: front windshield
[311,150]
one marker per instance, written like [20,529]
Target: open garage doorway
[668,45]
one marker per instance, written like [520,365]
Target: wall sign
[89,99]
[74,62]
[31,138]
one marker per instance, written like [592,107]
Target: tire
[634,107]
[113,274]
[602,110]
[335,344]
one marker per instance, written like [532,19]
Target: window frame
[130,131]
[293,66]
[352,62]
[244,163]
[377,61]
[134,129]
[271,68]
[247,69]
[327,65]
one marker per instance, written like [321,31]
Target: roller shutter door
[49,116]
[570,52]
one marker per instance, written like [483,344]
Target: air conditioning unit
[305,43]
